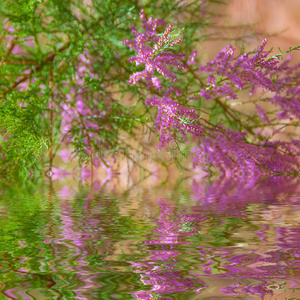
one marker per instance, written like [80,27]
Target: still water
[197,240]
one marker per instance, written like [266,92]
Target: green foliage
[19,10]
[22,140]
[40,45]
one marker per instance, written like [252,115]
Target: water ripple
[216,241]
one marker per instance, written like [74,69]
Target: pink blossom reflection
[260,260]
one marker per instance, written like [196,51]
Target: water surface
[220,240]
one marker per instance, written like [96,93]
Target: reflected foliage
[241,238]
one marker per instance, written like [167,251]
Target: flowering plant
[232,141]
[67,88]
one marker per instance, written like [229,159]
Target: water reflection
[217,240]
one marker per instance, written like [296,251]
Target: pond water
[196,240]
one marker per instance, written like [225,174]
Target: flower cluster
[78,113]
[231,152]
[172,119]
[256,70]
[154,58]
[172,115]
[246,69]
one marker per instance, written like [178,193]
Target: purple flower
[229,151]
[262,114]
[191,60]
[155,58]
[173,116]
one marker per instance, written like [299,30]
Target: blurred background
[277,19]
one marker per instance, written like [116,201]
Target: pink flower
[154,59]
[192,57]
